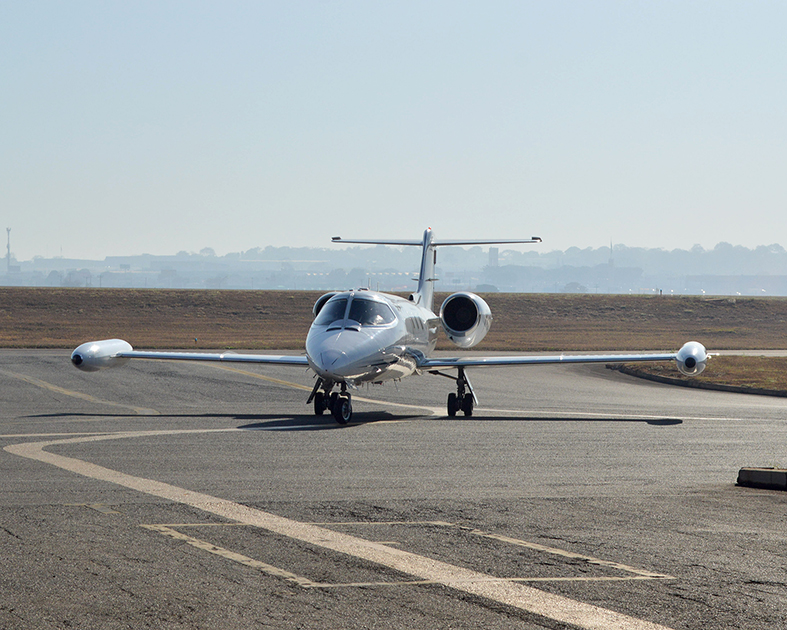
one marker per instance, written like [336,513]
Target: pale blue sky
[155,127]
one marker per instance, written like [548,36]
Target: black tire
[319,404]
[467,404]
[332,401]
[342,410]
[453,404]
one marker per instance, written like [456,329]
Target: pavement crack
[10,533]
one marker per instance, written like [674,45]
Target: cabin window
[333,311]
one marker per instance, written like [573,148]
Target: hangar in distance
[363,336]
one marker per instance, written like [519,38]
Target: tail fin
[424,294]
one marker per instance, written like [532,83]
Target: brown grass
[153,318]
[156,318]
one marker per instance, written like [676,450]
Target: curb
[768,478]
[624,369]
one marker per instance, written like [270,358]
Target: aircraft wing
[95,355]
[690,359]
[453,362]
[223,356]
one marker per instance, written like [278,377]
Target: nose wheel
[342,409]
[339,404]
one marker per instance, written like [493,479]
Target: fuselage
[369,337]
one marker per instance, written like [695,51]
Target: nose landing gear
[339,404]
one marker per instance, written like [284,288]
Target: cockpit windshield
[363,311]
[332,311]
[370,312]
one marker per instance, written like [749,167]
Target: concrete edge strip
[695,384]
[766,478]
[517,595]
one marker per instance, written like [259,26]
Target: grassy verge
[756,375]
[272,320]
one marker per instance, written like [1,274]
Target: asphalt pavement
[177,495]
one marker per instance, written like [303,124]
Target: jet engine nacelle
[466,319]
[321,302]
[692,358]
[96,355]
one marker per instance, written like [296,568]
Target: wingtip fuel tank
[96,355]
[692,358]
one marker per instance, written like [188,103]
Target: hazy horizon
[415,254]
[158,127]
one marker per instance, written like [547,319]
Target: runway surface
[177,495]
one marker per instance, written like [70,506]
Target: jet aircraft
[363,336]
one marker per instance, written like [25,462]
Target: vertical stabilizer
[424,294]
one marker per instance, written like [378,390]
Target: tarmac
[185,495]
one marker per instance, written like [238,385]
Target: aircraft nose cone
[331,358]
[341,355]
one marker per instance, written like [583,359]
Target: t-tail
[424,294]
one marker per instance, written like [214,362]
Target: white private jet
[362,336]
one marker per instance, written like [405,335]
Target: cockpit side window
[331,312]
[370,312]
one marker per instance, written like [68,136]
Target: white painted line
[517,595]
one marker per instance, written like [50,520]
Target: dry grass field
[159,318]
[269,320]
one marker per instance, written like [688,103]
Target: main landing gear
[464,399]
[339,404]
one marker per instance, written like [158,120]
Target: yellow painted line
[232,555]
[305,388]
[440,411]
[142,411]
[261,377]
[637,574]
[640,573]
[43,435]
[515,594]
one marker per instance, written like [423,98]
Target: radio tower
[8,255]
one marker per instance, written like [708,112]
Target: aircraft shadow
[534,418]
[320,423]
[256,422]
[271,422]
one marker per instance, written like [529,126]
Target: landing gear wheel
[467,404]
[342,409]
[319,404]
[332,401]
[453,404]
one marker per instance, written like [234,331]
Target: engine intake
[466,319]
